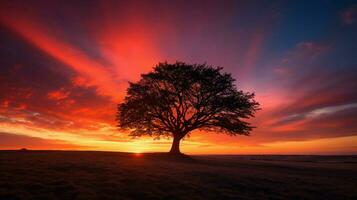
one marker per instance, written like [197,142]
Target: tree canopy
[175,99]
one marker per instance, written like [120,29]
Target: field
[109,175]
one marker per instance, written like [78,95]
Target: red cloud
[58,94]
[93,72]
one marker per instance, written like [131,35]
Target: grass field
[108,175]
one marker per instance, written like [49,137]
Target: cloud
[348,16]
[13,141]
[304,52]
[93,72]
[316,114]
[58,94]
[310,48]
[311,96]
[321,90]
[321,106]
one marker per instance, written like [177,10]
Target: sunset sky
[65,65]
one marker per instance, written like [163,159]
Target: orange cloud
[34,32]
[14,141]
[58,94]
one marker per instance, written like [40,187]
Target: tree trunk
[175,148]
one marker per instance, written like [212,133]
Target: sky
[65,65]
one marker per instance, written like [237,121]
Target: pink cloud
[311,48]
[348,16]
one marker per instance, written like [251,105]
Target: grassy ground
[106,175]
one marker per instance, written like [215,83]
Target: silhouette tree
[178,98]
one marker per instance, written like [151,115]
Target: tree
[175,99]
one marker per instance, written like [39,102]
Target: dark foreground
[106,175]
